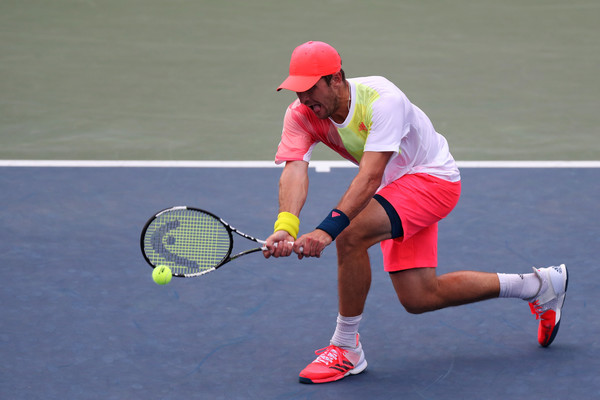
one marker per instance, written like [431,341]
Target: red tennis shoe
[547,304]
[334,363]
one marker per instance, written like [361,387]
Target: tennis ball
[162,275]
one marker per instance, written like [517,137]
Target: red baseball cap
[311,61]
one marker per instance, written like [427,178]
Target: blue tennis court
[81,317]
[120,80]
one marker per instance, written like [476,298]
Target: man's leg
[344,356]
[421,290]
[371,226]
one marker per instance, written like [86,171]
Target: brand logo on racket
[158,244]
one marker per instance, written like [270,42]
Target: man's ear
[336,79]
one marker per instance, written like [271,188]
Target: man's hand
[312,244]
[279,244]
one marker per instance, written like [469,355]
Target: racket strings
[187,241]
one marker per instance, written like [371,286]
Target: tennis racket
[190,241]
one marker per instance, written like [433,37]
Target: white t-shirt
[381,119]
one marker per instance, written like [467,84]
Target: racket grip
[265,247]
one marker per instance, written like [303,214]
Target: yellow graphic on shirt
[354,136]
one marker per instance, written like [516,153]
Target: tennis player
[406,182]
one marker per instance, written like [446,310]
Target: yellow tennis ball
[162,275]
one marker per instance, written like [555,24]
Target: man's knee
[416,289]
[414,306]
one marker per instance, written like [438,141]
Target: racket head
[190,241]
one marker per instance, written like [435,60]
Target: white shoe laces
[329,354]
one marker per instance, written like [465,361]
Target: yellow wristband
[288,222]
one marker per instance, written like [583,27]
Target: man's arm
[293,187]
[293,190]
[361,190]
[365,183]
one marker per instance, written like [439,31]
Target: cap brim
[299,83]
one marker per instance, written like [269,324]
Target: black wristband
[335,223]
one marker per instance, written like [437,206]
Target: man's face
[322,99]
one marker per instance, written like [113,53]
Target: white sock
[521,286]
[345,331]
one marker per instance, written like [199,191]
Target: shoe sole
[354,371]
[557,326]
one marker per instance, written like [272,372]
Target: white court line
[320,166]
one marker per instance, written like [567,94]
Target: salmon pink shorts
[415,203]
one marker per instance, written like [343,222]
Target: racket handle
[265,247]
